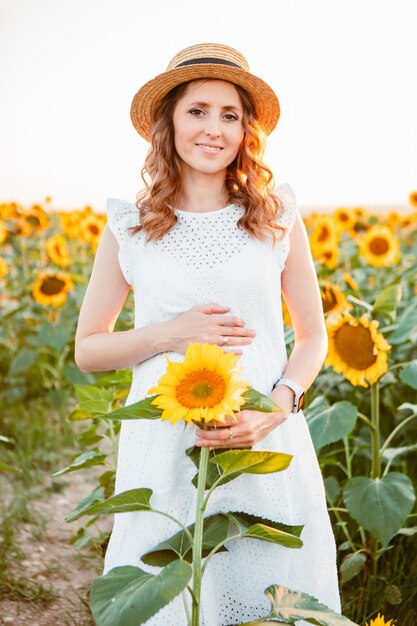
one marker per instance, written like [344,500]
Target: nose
[212,128]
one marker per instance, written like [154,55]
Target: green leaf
[56,337]
[75,376]
[387,302]
[257,401]
[23,360]
[380,505]
[128,596]
[125,502]
[92,392]
[406,326]
[266,533]
[95,496]
[116,379]
[330,423]
[86,459]
[409,374]
[139,410]
[351,565]
[391,453]
[332,488]
[213,472]
[251,462]
[289,606]
[215,530]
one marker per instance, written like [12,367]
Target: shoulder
[121,214]
[286,194]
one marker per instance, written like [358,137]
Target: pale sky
[344,72]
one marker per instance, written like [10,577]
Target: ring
[230,433]
[225,340]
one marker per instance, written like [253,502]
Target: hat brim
[144,102]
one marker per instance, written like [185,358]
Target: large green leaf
[95,496]
[116,379]
[251,462]
[387,302]
[329,423]
[290,606]
[56,337]
[91,392]
[265,533]
[380,505]
[139,410]
[215,530]
[257,401]
[128,596]
[409,374]
[86,459]
[246,520]
[213,471]
[23,360]
[406,326]
[125,502]
[351,565]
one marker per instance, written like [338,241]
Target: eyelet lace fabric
[207,258]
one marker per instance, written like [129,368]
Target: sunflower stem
[198,535]
[376,457]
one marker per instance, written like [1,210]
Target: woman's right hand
[207,323]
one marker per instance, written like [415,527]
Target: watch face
[300,402]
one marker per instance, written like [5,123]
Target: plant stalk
[376,457]
[198,535]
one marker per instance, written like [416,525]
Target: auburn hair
[249,182]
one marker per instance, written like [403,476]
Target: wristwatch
[298,392]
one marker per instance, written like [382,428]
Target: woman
[208,248]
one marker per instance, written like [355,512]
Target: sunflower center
[379,246]
[355,346]
[93,229]
[324,233]
[33,220]
[52,285]
[329,300]
[201,388]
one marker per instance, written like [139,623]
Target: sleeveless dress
[207,258]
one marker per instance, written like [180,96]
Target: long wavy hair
[249,182]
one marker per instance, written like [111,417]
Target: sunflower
[325,231]
[3,232]
[205,386]
[356,349]
[70,222]
[345,218]
[332,298]
[57,250]
[52,288]
[380,621]
[286,314]
[36,218]
[379,246]
[350,281]
[91,228]
[413,198]
[4,269]
[329,255]
[8,210]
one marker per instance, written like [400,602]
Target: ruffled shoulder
[122,214]
[287,219]
[286,193]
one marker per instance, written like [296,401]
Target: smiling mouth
[208,148]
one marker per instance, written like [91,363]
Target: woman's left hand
[251,427]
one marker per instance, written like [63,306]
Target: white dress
[207,258]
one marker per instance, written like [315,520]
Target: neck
[202,192]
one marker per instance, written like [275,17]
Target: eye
[195,112]
[231,117]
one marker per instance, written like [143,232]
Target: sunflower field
[361,409]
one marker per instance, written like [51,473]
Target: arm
[97,348]
[302,296]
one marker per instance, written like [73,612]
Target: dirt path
[52,561]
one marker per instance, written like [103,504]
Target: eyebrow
[207,105]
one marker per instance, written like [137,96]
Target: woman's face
[208,129]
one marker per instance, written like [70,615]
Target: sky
[344,72]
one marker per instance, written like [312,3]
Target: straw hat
[206,60]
